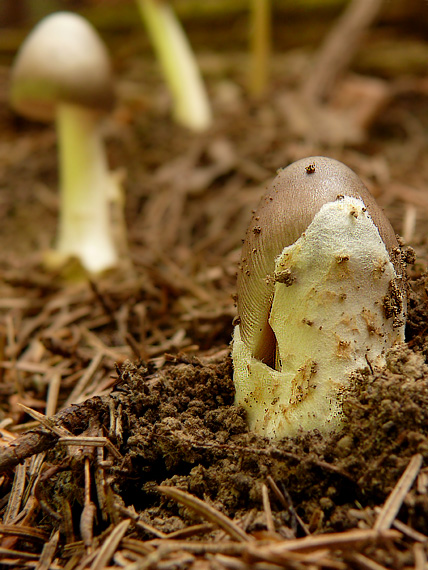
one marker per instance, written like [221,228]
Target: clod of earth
[321,293]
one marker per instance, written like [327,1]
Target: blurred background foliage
[397,43]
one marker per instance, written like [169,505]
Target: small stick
[53,393]
[109,546]
[398,494]
[334,541]
[48,552]
[88,513]
[91,441]
[103,300]
[419,556]
[287,504]
[409,222]
[339,48]
[267,508]
[205,510]
[46,422]
[14,452]
[407,530]
[133,345]
[84,380]
[363,562]
[16,494]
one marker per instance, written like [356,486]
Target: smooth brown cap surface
[62,60]
[294,197]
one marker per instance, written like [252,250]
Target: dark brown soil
[178,427]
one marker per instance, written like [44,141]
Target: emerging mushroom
[62,72]
[320,294]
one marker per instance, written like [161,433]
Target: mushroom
[321,293]
[192,108]
[62,72]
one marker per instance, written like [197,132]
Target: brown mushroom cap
[62,60]
[294,197]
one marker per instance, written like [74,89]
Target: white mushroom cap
[63,60]
[286,210]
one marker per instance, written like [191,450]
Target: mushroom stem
[260,46]
[191,105]
[85,190]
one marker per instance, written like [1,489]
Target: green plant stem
[191,105]
[85,191]
[260,45]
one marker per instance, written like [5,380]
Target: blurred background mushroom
[191,106]
[62,73]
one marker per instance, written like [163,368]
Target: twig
[48,552]
[363,562]
[91,441]
[38,440]
[32,367]
[409,222]
[201,548]
[53,393]
[205,510]
[103,300]
[46,422]
[109,546]
[409,195]
[419,556]
[267,509]
[133,345]
[25,446]
[287,504]
[398,494]
[25,532]
[84,380]
[339,48]
[335,540]
[87,516]
[137,546]
[175,535]
[16,494]
[410,532]
[6,552]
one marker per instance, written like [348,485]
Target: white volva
[328,316]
